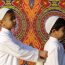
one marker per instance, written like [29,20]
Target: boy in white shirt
[55,27]
[12,49]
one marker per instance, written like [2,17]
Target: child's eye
[13,17]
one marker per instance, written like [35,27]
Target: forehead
[9,15]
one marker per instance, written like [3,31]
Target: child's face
[60,33]
[8,21]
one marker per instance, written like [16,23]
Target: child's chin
[13,29]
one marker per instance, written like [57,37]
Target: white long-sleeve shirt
[64,60]
[11,49]
[55,52]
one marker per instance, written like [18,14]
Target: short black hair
[60,22]
[12,13]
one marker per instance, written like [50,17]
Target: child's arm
[54,56]
[44,54]
[24,52]
[41,60]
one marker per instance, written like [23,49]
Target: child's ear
[53,30]
[0,22]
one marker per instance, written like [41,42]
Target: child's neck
[6,28]
[53,35]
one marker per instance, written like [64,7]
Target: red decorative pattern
[45,3]
[62,4]
[30,21]
[2,3]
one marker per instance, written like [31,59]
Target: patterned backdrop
[31,16]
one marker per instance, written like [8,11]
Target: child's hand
[43,54]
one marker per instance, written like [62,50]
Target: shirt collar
[5,30]
[53,39]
